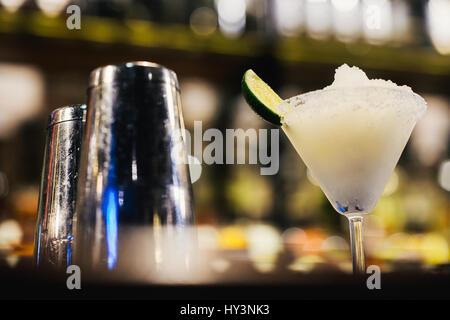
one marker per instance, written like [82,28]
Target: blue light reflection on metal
[110,206]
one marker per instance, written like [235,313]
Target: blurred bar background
[294,45]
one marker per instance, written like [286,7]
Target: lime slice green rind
[260,97]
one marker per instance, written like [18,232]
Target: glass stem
[357,244]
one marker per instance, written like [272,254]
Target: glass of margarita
[351,135]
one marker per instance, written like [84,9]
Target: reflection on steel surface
[53,238]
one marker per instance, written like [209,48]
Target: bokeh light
[200,101]
[52,8]
[203,21]
[22,95]
[402,23]
[346,19]
[430,136]
[10,234]
[318,18]
[232,16]
[438,13]
[12,5]
[288,16]
[264,244]
[444,175]
[246,186]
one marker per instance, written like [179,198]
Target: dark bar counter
[239,282]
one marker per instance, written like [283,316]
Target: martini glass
[351,139]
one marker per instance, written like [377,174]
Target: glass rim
[328,89]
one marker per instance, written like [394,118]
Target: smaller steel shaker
[57,194]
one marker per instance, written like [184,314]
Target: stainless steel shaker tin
[53,238]
[134,169]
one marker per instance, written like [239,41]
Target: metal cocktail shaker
[53,238]
[134,170]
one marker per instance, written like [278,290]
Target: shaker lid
[132,71]
[67,113]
